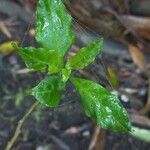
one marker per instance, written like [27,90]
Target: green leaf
[86,55]
[41,59]
[49,91]
[66,72]
[53,26]
[101,105]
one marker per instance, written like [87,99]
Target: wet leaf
[49,91]
[101,105]
[53,26]
[86,55]
[41,59]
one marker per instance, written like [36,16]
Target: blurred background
[123,68]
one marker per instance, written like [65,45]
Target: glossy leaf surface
[86,55]
[41,59]
[53,26]
[101,105]
[49,91]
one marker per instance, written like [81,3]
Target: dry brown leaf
[99,20]
[121,6]
[138,57]
[7,47]
[146,108]
[5,30]
[141,25]
[145,33]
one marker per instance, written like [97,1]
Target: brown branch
[19,126]
[94,138]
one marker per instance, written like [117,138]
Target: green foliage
[85,56]
[101,105]
[54,33]
[41,59]
[53,26]
[49,91]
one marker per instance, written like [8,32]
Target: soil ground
[52,129]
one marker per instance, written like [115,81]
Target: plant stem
[19,126]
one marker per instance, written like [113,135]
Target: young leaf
[53,26]
[49,91]
[100,104]
[86,55]
[41,59]
[66,72]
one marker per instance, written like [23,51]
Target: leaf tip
[100,42]
[14,44]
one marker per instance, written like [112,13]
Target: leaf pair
[54,34]
[49,90]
